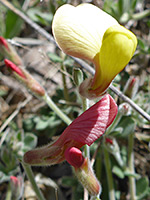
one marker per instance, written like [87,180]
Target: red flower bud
[131,87]
[26,78]
[14,68]
[16,184]
[3,42]
[9,52]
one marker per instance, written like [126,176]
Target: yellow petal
[118,47]
[79,30]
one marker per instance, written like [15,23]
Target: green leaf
[13,25]
[126,126]
[41,124]
[28,124]
[118,171]
[142,188]
[39,16]
[30,141]
[4,177]
[2,21]
[54,58]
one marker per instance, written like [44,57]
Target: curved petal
[87,128]
[118,47]
[79,30]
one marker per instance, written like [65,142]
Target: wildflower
[89,33]
[16,184]
[85,129]
[9,52]
[26,78]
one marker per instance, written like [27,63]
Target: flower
[83,170]
[8,51]
[85,129]
[26,78]
[89,33]
[16,184]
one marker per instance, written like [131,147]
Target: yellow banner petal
[79,30]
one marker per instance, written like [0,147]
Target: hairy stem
[86,147]
[109,175]
[132,183]
[66,95]
[30,176]
[54,107]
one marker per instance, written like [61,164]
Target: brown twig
[82,63]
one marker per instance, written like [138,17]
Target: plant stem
[109,175]
[86,147]
[85,105]
[132,183]
[30,176]
[54,107]
[66,95]
[9,193]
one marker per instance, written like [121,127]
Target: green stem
[54,107]
[84,108]
[9,193]
[66,95]
[109,175]
[86,147]
[30,176]
[132,183]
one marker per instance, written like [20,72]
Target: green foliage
[77,189]
[54,57]
[122,10]
[143,47]
[16,144]
[13,25]
[37,15]
[143,188]
[122,130]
